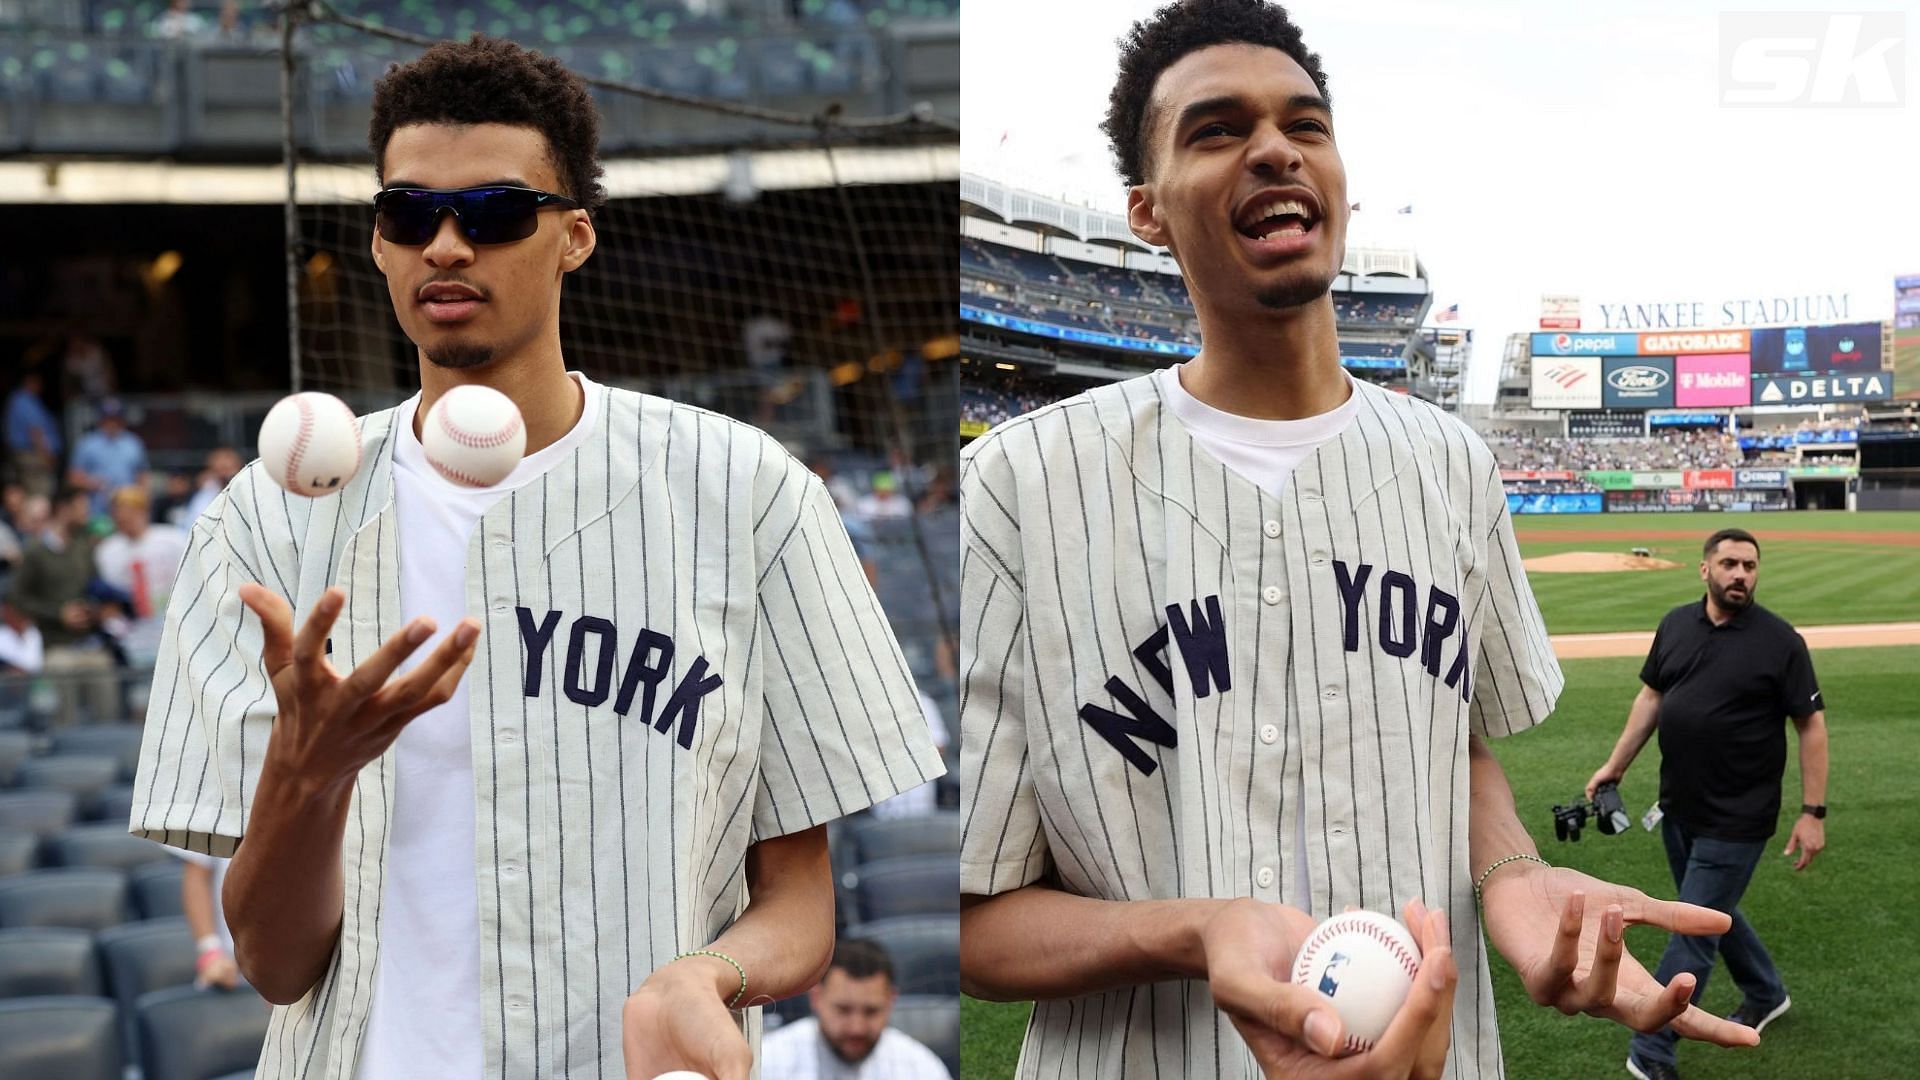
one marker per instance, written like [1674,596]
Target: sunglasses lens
[486,215]
[406,217]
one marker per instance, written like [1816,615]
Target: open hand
[1809,837]
[1292,1030]
[1538,918]
[678,1019]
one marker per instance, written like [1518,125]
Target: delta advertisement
[1646,370]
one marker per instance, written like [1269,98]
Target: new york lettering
[1201,634]
[1404,625]
[588,675]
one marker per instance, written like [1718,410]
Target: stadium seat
[115,805]
[118,741]
[15,747]
[914,885]
[73,1038]
[85,775]
[925,950]
[189,1034]
[142,957]
[156,889]
[40,812]
[44,960]
[933,1021]
[84,898]
[875,839]
[19,852]
[106,844]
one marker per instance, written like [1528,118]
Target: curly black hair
[489,80]
[1157,42]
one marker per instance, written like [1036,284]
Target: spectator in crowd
[176,490]
[223,464]
[847,1037]
[109,457]
[179,23]
[32,434]
[22,648]
[884,501]
[89,370]
[136,565]
[837,486]
[200,883]
[940,492]
[13,499]
[231,30]
[51,587]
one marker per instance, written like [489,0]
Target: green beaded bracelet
[742,992]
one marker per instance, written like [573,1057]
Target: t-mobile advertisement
[1718,379]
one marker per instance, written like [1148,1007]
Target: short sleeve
[210,696]
[1650,670]
[1798,685]
[1001,843]
[842,726]
[1516,678]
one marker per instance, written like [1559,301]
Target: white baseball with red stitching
[473,436]
[1364,962]
[310,443]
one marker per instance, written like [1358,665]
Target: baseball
[1364,962]
[473,436]
[310,443]
[680,1074]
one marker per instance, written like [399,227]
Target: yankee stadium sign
[1753,311]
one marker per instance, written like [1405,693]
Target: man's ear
[1143,215]
[581,241]
[379,252]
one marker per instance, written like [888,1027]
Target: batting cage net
[793,267]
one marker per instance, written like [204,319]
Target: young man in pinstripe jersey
[1234,636]
[588,826]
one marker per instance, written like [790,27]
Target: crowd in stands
[1689,449]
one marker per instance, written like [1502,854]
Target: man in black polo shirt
[1722,673]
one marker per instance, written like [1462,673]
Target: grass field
[1842,932]
[1808,581]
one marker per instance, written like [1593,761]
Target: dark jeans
[1712,873]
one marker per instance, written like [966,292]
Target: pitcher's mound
[1594,562]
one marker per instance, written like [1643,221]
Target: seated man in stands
[847,1037]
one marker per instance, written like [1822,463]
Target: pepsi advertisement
[1816,350]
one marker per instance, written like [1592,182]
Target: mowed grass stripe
[1840,932]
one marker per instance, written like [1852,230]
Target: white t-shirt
[925,799]
[424,1019]
[1265,452]
[23,649]
[797,1052]
[148,563]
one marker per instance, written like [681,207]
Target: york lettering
[1403,624]
[588,673]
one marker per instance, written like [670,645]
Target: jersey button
[508,736]
[1271,594]
[1331,693]
[509,870]
[1264,878]
[1319,558]
[1273,529]
[1269,734]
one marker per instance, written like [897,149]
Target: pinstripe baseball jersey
[680,655]
[1156,654]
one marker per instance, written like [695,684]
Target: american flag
[1451,313]
[1407,209]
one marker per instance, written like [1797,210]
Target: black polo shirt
[1725,694]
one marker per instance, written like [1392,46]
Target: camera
[1607,808]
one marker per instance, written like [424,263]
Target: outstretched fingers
[431,683]
[1557,974]
[276,625]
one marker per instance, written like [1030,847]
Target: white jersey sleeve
[842,726]
[1001,845]
[211,707]
[1517,679]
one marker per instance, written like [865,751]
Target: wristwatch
[1819,812]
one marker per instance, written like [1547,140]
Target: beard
[1294,294]
[459,355]
[842,1049]
[1729,603]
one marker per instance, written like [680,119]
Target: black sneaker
[1755,1017]
[1651,1070]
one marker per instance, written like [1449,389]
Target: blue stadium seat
[15,747]
[118,741]
[115,805]
[86,776]
[189,1034]
[156,889]
[142,957]
[875,839]
[19,852]
[44,960]
[925,950]
[934,1021]
[107,845]
[72,1038]
[83,898]
[914,885]
[40,812]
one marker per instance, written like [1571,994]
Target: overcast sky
[1545,147]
